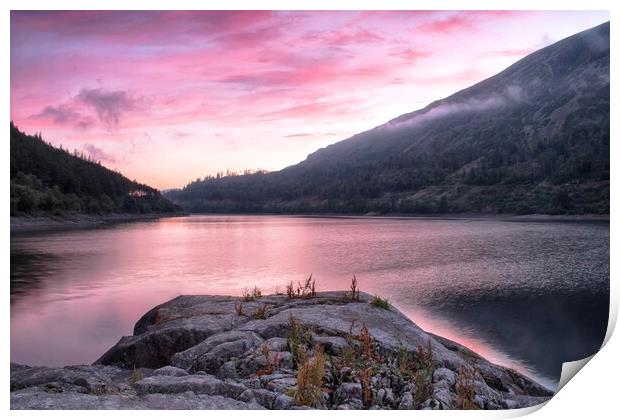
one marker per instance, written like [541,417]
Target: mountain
[531,139]
[50,180]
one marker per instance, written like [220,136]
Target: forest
[47,180]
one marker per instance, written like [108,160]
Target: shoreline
[32,224]
[564,218]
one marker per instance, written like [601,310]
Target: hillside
[49,180]
[531,139]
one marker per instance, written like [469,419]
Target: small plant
[250,296]
[277,292]
[310,379]
[367,343]
[305,291]
[298,340]
[247,296]
[290,291]
[355,292]
[136,376]
[239,309]
[261,312]
[271,364]
[466,389]
[404,359]
[366,389]
[424,367]
[380,302]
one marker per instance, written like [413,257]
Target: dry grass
[261,312]
[355,291]
[424,366]
[366,388]
[250,296]
[367,343]
[306,290]
[136,376]
[466,389]
[239,309]
[298,340]
[310,379]
[271,363]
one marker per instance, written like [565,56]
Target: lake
[529,295]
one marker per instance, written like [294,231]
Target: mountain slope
[46,179]
[531,139]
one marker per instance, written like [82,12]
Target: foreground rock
[325,351]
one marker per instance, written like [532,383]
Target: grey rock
[170,371]
[443,374]
[348,392]
[331,344]
[389,399]
[283,402]
[406,401]
[379,396]
[210,354]
[204,356]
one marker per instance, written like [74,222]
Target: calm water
[529,295]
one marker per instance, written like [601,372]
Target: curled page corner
[570,369]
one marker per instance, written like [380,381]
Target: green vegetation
[46,180]
[380,302]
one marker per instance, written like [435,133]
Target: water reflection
[531,295]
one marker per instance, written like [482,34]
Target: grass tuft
[136,376]
[310,380]
[424,366]
[466,389]
[380,302]
[239,309]
[306,290]
[261,312]
[355,291]
[250,296]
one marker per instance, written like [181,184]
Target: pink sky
[166,97]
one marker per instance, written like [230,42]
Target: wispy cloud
[98,154]
[110,106]
[64,115]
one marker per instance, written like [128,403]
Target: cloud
[463,21]
[512,52]
[510,95]
[410,54]
[98,154]
[109,105]
[64,115]
[299,135]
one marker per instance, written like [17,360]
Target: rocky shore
[330,350]
[22,224]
